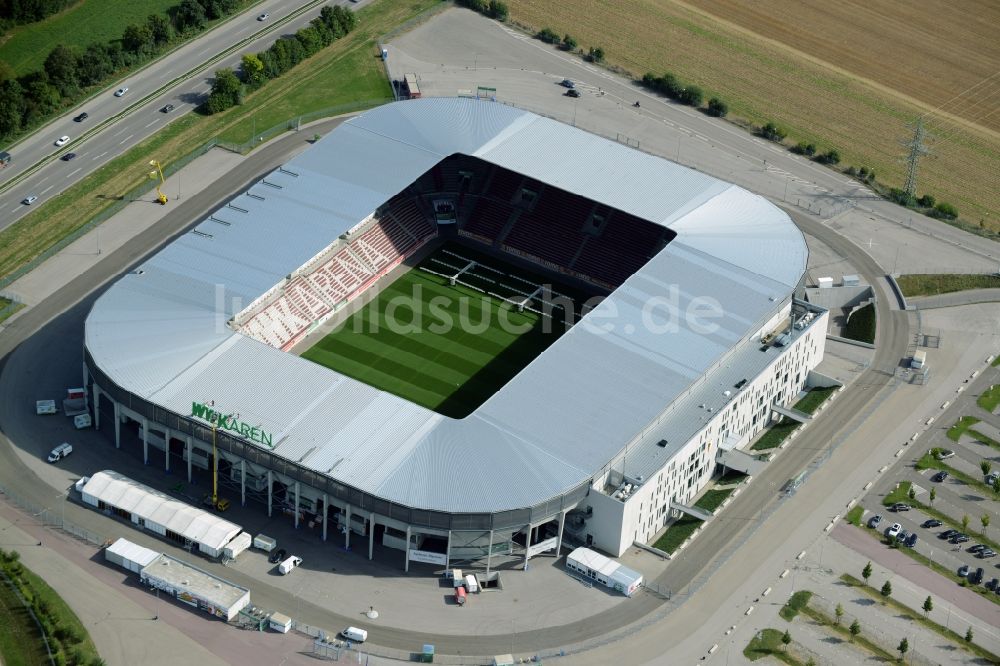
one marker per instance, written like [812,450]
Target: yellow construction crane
[161,197]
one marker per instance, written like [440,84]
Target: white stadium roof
[160,333]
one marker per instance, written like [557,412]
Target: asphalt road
[143,116]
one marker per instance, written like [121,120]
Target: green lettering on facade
[231,423]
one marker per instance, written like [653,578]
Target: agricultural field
[25,47]
[822,78]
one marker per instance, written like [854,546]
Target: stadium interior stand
[338,275]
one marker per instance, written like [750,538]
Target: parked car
[566,83]
[947,534]
[62,141]
[60,452]
[121,91]
[933,522]
[977,577]
[992,585]
[944,454]
[959,538]
[986,553]
[168,108]
[30,199]
[263,17]
[911,540]
[277,556]
[893,530]
[572,92]
[80,118]
[992,477]
[963,570]
[900,506]
[940,476]
[975,548]
[875,520]
[68,157]
[902,536]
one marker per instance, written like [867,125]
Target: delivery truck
[288,565]
[265,543]
[355,634]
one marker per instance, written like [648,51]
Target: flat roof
[160,332]
[198,583]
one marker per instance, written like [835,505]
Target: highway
[116,124]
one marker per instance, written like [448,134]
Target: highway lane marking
[126,139]
[153,123]
[47,189]
[124,129]
[72,172]
[97,157]
[43,180]
[14,210]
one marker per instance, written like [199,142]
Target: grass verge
[927,461]
[861,325]
[767,643]
[677,533]
[775,435]
[956,431]
[944,283]
[901,493]
[795,604]
[908,613]
[325,80]
[854,515]
[816,397]
[990,398]
[996,361]
[711,500]
[860,639]
[20,640]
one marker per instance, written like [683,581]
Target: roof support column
[188,447]
[118,424]
[326,502]
[407,566]
[527,547]
[447,553]
[145,441]
[297,496]
[347,527]
[270,492]
[243,482]
[166,450]
[562,523]
[371,536]
[489,554]
[97,403]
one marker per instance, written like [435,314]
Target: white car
[30,199]
[894,530]
[121,92]
[263,17]
[62,141]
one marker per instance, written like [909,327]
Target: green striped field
[409,341]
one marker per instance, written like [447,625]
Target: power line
[917,149]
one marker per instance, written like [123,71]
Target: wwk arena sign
[230,422]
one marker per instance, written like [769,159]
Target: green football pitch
[448,348]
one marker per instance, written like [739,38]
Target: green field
[25,47]
[402,344]
[20,640]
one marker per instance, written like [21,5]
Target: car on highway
[944,454]
[875,521]
[963,570]
[567,83]
[30,199]
[62,141]
[911,540]
[939,477]
[121,91]
[572,92]
[900,506]
[80,118]
[68,156]
[933,522]
[168,108]
[264,17]
[893,530]
[277,556]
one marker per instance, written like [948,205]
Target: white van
[471,584]
[60,452]
[289,564]
[355,634]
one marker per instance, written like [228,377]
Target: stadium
[466,332]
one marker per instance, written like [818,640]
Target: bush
[861,324]
[691,95]
[926,201]
[772,132]
[829,157]
[945,211]
[568,43]
[498,10]
[717,108]
[901,197]
[803,148]
[596,54]
[547,35]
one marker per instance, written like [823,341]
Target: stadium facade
[600,440]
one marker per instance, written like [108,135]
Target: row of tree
[13,12]
[256,68]
[68,72]
[492,8]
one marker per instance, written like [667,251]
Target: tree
[498,10]
[12,106]
[159,29]
[984,465]
[928,605]
[786,638]
[903,648]
[886,590]
[829,157]
[968,635]
[717,108]
[945,211]
[927,201]
[803,148]
[933,495]
[596,54]
[911,493]
[547,35]
[60,66]
[188,15]
[253,70]
[839,612]
[691,95]
[227,91]
[866,573]
[855,629]
[568,43]
[772,132]
[138,39]
[965,523]
[984,520]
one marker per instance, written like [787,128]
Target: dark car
[933,522]
[959,538]
[911,540]
[947,534]
[80,118]
[566,83]
[572,92]
[986,553]
[168,108]
[899,506]
[992,585]
[875,520]
[940,476]
[277,556]
[963,570]
[975,549]
[902,536]
[68,156]
[977,577]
